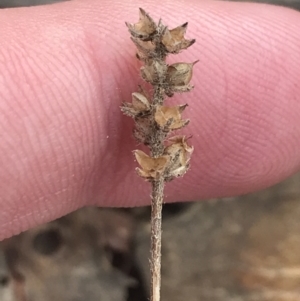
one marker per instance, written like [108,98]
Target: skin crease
[66,68]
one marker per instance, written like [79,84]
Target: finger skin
[66,68]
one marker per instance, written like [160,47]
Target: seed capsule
[178,78]
[174,40]
[180,74]
[139,105]
[154,73]
[144,28]
[151,168]
[170,115]
[179,152]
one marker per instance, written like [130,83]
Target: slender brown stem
[156,149]
[158,98]
[157,142]
[156,217]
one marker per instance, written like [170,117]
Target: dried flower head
[154,121]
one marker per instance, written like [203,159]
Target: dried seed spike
[144,28]
[169,159]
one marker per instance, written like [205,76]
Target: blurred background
[238,249]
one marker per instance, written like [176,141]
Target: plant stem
[156,217]
[156,149]
[158,97]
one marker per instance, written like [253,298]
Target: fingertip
[75,62]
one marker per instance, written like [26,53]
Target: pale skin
[66,68]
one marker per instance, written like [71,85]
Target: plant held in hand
[169,157]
